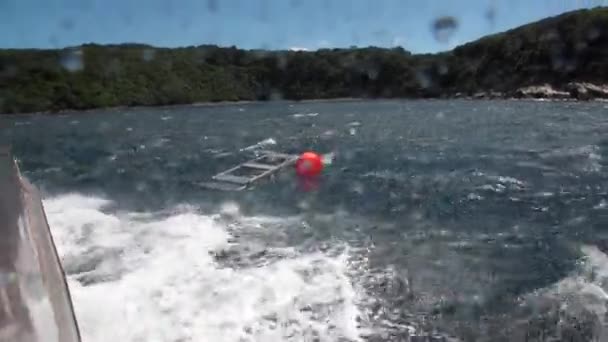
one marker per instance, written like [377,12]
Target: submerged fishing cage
[244,175]
[35,302]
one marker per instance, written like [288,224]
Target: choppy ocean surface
[453,220]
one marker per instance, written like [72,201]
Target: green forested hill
[558,50]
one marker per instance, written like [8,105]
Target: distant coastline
[478,97]
[197,104]
[558,58]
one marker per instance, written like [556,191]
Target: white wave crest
[585,290]
[302,115]
[261,144]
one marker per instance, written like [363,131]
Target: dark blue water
[477,221]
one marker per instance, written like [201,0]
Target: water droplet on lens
[423,78]
[380,34]
[230,209]
[53,41]
[358,188]
[550,36]
[282,62]
[67,24]
[328,134]
[104,126]
[148,55]
[7,71]
[491,15]
[276,95]
[593,34]
[127,18]
[71,60]
[212,5]
[303,205]
[372,73]
[443,28]
[580,46]
[141,186]
[263,16]
[6,278]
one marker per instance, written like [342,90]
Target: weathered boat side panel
[35,303]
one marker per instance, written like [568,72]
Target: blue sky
[274,24]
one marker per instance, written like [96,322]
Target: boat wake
[180,276]
[574,308]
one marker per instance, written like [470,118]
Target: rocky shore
[580,91]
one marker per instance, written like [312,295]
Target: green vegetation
[558,50]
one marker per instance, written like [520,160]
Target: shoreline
[193,104]
[477,97]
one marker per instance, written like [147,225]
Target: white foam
[501,183]
[602,205]
[509,180]
[328,158]
[302,115]
[585,289]
[166,286]
[160,142]
[474,197]
[260,144]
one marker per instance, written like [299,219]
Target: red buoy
[309,164]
